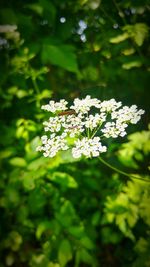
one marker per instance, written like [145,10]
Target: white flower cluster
[84,105]
[55,106]
[50,146]
[78,129]
[88,147]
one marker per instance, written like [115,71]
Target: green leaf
[6,153]
[36,8]
[21,93]
[63,179]
[20,131]
[8,16]
[132,64]
[84,256]
[42,227]
[18,162]
[49,10]
[110,236]
[96,218]
[64,253]
[76,231]
[138,32]
[119,38]
[60,55]
[28,181]
[86,242]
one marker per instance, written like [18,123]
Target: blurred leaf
[119,38]
[64,252]
[28,181]
[63,179]
[138,32]
[42,227]
[20,131]
[21,93]
[86,242]
[110,236]
[8,16]
[6,153]
[49,10]
[96,218]
[138,143]
[76,231]
[133,64]
[62,56]
[84,256]
[36,8]
[17,161]
[128,51]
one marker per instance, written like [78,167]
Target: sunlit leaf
[133,64]
[119,38]
[63,179]
[17,161]
[138,32]
[42,227]
[64,252]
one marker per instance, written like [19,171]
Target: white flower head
[55,106]
[79,129]
[109,105]
[84,105]
[88,147]
[52,146]
[114,130]
[128,114]
[92,121]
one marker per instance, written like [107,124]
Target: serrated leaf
[138,32]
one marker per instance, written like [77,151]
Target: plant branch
[121,172]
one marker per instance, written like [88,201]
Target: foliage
[61,212]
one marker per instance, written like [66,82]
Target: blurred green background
[56,212]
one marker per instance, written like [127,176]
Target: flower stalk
[120,171]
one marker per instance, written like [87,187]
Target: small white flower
[84,105]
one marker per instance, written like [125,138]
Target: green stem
[121,172]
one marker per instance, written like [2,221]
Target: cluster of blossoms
[78,129]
